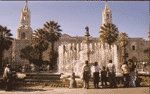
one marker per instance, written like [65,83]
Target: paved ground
[50,90]
[47,90]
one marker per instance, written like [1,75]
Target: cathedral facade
[73,49]
[73,52]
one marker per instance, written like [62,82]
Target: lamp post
[87,40]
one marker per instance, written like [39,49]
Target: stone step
[43,77]
[36,80]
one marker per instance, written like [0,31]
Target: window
[94,47]
[23,35]
[133,47]
[24,18]
[107,16]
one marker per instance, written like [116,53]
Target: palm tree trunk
[53,47]
[52,50]
[123,53]
[110,51]
[40,57]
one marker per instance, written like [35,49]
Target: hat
[110,61]
[86,62]
[96,63]
[8,65]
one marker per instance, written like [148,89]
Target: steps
[43,76]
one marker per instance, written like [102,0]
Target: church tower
[107,15]
[106,18]
[25,31]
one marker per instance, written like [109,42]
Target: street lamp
[87,40]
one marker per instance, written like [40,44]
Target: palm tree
[5,41]
[52,35]
[123,41]
[109,33]
[39,42]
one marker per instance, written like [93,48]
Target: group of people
[128,69]
[129,73]
[94,72]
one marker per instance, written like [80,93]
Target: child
[103,76]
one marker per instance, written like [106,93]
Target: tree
[5,41]
[123,41]
[109,33]
[29,53]
[52,35]
[39,42]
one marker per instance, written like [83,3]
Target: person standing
[132,72]
[111,74]
[23,68]
[103,76]
[7,78]
[86,75]
[95,72]
[48,68]
[32,67]
[126,70]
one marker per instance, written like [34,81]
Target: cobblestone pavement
[47,90]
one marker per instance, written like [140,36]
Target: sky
[131,17]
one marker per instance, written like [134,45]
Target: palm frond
[108,33]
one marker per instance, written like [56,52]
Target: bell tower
[107,15]
[106,18]
[25,31]
[25,16]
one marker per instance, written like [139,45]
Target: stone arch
[134,59]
